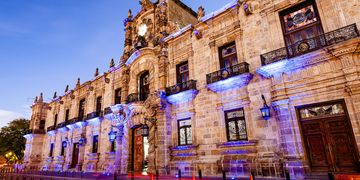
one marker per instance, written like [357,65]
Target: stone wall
[273,146]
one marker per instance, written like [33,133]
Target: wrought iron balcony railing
[226,73]
[35,131]
[107,111]
[311,44]
[61,125]
[134,97]
[180,87]
[94,115]
[51,128]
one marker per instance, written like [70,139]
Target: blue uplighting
[133,57]
[182,97]
[231,83]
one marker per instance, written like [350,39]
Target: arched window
[144,88]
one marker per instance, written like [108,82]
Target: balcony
[61,125]
[134,97]
[94,115]
[107,111]
[296,55]
[228,78]
[51,128]
[181,92]
[35,131]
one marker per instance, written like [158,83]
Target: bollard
[200,174]
[252,176]
[287,175]
[115,178]
[179,174]
[224,175]
[331,176]
[157,174]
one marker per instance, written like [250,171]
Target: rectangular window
[63,148]
[118,96]
[228,55]
[81,109]
[51,150]
[98,105]
[235,125]
[55,119]
[185,133]
[182,71]
[67,113]
[42,124]
[301,22]
[95,144]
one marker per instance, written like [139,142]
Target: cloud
[7,116]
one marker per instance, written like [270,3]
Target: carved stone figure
[146,4]
[201,13]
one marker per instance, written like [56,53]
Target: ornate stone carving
[112,63]
[161,16]
[155,102]
[146,4]
[96,72]
[78,83]
[201,13]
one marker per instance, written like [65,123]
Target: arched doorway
[139,151]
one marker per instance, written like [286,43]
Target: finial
[112,63]
[201,13]
[36,99]
[41,98]
[96,72]
[55,95]
[67,88]
[129,14]
[78,82]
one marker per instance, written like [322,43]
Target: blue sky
[47,44]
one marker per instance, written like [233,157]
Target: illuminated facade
[192,92]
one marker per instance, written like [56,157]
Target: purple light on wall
[52,132]
[182,97]
[183,147]
[231,83]
[184,154]
[94,121]
[133,57]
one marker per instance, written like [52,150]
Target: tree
[11,138]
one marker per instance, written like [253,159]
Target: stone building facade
[192,90]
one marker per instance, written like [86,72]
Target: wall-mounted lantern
[145,128]
[64,144]
[265,110]
[112,136]
[82,141]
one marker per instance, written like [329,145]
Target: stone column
[118,152]
[291,145]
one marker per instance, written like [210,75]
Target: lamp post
[265,110]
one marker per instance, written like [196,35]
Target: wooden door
[75,156]
[328,138]
[138,150]
[341,145]
[316,143]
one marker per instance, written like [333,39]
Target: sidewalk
[124,177]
